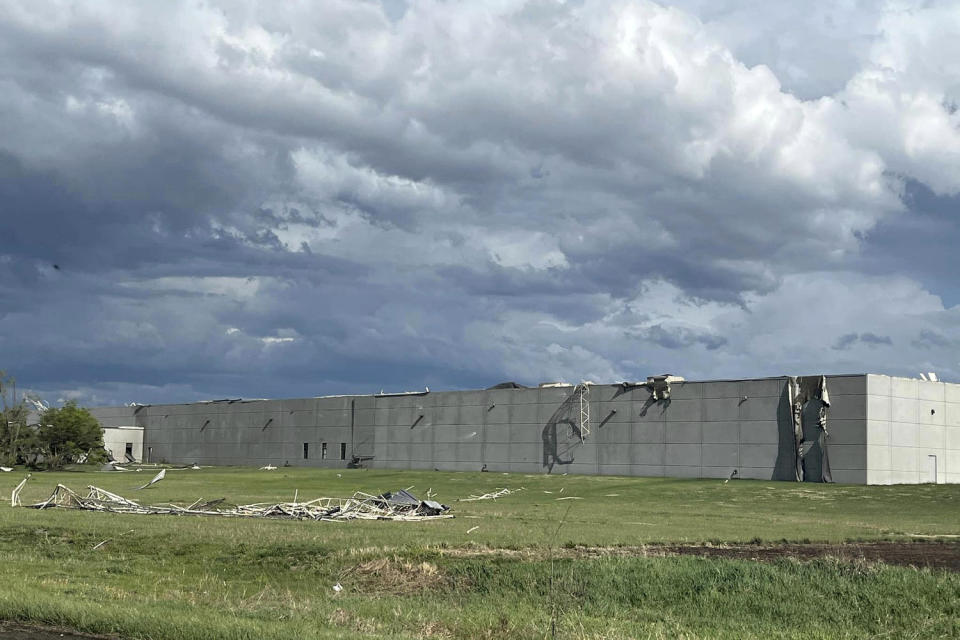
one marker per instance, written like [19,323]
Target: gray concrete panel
[722,389]
[444,451]
[647,453]
[647,470]
[951,392]
[762,388]
[498,414]
[878,407]
[904,410]
[933,391]
[614,454]
[469,453]
[682,454]
[720,455]
[683,411]
[758,455]
[930,412]
[606,412]
[760,408]
[904,459]
[878,432]
[755,473]
[683,432]
[847,432]
[904,388]
[499,433]
[847,407]
[614,469]
[645,412]
[878,385]
[721,409]
[721,432]
[716,472]
[686,390]
[903,434]
[931,437]
[613,432]
[758,432]
[497,453]
[527,433]
[648,433]
[681,472]
[952,414]
[847,456]
[850,476]
[847,385]
[952,438]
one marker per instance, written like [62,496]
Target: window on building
[306,450]
[323,451]
[343,450]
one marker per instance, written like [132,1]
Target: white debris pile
[400,505]
[493,495]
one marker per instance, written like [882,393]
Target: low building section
[853,429]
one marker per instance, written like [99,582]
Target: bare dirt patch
[935,555]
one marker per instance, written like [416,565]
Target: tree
[67,433]
[15,437]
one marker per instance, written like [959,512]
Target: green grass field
[525,566]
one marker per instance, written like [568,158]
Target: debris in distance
[6,469]
[570,498]
[337,588]
[268,467]
[157,478]
[493,495]
[400,505]
[472,529]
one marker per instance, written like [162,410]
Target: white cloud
[460,191]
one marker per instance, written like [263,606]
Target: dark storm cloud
[245,199]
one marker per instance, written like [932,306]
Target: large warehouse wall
[913,427]
[705,429]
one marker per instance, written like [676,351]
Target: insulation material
[807,404]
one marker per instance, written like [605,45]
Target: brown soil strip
[935,555]
[18,631]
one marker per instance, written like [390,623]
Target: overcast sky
[259,199]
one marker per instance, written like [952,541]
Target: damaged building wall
[704,429]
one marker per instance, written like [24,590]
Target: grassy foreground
[498,570]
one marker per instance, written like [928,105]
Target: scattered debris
[6,469]
[493,495]
[337,588]
[570,498]
[268,467]
[100,544]
[157,478]
[472,529]
[15,494]
[400,505]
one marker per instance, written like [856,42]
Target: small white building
[124,443]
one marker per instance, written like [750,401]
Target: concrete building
[878,430]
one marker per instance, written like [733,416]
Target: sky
[207,200]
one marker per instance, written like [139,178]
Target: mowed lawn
[499,569]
